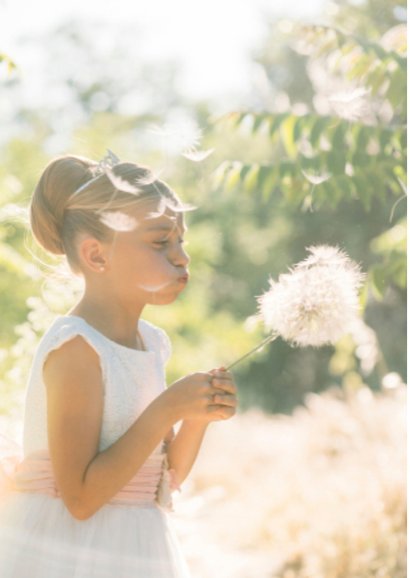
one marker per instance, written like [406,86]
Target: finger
[224,384]
[221,411]
[222,373]
[225,400]
[224,412]
[219,391]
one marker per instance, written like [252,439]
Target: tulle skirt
[39,538]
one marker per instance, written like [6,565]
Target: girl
[100,455]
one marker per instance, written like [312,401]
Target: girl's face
[148,264]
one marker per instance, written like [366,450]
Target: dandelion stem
[271,337]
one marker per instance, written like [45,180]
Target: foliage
[325,159]
[332,163]
[334,180]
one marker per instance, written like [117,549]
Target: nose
[180,257]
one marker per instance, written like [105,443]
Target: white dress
[126,538]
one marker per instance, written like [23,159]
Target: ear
[92,255]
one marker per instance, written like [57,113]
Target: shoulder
[73,352]
[74,365]
[62,329]
[70,366]
[71,341]
[155,338]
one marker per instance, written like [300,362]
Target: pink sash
[153,482]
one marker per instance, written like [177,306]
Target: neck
[112,319]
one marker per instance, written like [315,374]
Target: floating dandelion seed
[164,204]
[118,221]
[159,211]
[149,178]
[122,184]
[316,178]
[197,156]
[351,105]
[315,303]
[177,137]
[154,288]
[185,137]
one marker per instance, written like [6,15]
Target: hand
[207,396]
[224,402]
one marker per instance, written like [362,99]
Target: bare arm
[183,449]
[86,477]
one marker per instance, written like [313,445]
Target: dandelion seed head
[329,256]
[316,302]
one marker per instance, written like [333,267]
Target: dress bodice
[132,379]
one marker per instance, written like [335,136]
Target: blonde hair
[58,213]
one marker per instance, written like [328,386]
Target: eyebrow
[164,227]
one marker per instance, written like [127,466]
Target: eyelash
[165,242]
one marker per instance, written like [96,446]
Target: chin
[164,298]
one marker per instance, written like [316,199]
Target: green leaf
[336,162]
[219,175]
[287,134]
[396,93]
[8,61]
[376,79]
[361,67]
[259,120]
[300,124]
[394,239]
[319,127]
[232,178]
[275,122]
[378,281]
[345,186]
[251,179]
[266,180]
[362,138]
[339,134]
[364,191]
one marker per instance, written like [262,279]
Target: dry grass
[319,494]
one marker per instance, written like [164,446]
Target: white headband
[104,165]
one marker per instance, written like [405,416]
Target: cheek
[153,271]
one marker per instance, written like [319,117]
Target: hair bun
[60,179]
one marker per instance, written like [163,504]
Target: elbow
[80,515]
[79,510]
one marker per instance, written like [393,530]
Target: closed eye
[161,243]
[164,242]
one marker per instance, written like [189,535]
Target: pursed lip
[183,278]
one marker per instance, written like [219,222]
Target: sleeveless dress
[130,536]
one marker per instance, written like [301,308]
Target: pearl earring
[102,268]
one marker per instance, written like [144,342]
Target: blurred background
[285,124]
